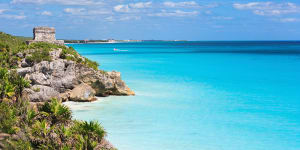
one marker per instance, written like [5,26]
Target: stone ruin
[45,34]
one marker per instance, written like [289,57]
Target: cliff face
[53,71]
[68,80]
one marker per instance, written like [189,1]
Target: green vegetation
[71,54]
[10,46]
[11,41]
[36,89]
[11,84]
[22,38]
[49,125]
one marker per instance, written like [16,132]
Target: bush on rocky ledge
[11,47]
[42,50]
[41,126]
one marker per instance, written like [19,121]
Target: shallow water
[200,95]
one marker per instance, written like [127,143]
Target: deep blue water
[200,95]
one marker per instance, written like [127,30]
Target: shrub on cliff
[55,112]
[11,41]
[9,47]
[71,54]
[49,126]
[7,56]
[36,52]
[40,52]
[88,134]
[34,128]
[11,84]
[38,55]
[8,118]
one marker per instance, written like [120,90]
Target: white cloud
[2,11]
[74,11]
[11,16]
[122,18]
[141,5]
[46,13]
[289,20]
[97,12]
[132,7]
[181,4]
[122,8]
[268,8]
[63,2]
[217,26]
[176,13]
[84,12]
[125,18]
[17,17]
[110,19]
[222,18]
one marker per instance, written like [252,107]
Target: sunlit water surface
[199,95]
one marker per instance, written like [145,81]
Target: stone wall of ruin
[44,34]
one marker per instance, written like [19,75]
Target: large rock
[24,63]
[83,93]
[40,93]
[105,145]
[24,71]
[105,83]
[69,80]
[55,54]
[38,78]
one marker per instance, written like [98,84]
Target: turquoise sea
[200,95]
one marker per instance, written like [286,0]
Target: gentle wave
[271,52]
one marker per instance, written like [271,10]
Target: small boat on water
[115,49]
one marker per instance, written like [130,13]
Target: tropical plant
[56,112]
[18,144]
[8,118]
[30,115]
[91,134]
[6,87]
[19,82]
[41,128]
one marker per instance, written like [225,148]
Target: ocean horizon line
[124,41]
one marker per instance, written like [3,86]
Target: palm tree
[6,88]
[56,112]
[20,84]
[30,115]
[91,133]
[41,128]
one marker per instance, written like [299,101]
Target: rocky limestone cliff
[68,80]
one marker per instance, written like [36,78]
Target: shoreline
[97,43]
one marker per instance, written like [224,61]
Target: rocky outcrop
[68,80]
[105,145]
[82,92]
[39,93]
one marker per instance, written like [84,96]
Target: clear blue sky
[159,19]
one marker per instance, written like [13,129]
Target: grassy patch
[36,52]
[36,89]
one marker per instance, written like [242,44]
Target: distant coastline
[115,41]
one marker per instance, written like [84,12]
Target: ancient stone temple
[45,34]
